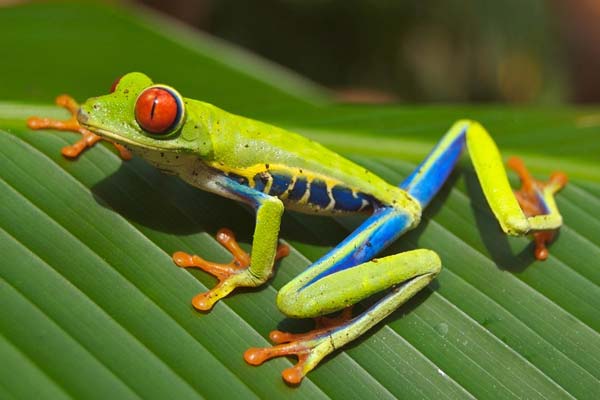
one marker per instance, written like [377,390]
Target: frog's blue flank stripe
[280,184]
[299,189]
[260,182]
[345,200]
[318,194]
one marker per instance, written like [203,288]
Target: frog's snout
[82,116]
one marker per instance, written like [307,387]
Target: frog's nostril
[82,116]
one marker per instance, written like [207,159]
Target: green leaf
[92,306]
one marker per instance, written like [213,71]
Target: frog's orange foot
[88,138]
[226,273]
[292,375]
[531,201]
[309,347]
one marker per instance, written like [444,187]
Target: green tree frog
[271,169]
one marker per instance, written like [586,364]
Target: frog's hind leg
[88,138]
[531,210]
[407,273]
[342,278]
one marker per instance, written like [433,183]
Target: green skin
[211,143]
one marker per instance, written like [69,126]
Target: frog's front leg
[244,270]
[342,278]
[88,138]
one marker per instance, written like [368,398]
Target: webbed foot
[230,275]
[310,347]
[88,138]
[531,199]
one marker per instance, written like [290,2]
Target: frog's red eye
[159,110]
[113,87]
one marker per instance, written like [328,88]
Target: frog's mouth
[83,119]
[131,144]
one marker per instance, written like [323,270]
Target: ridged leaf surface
[93,307]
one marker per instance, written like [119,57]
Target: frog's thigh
[413,269]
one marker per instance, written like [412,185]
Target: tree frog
[271,169]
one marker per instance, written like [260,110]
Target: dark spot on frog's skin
[246,146]
[96,107]
[300,170]
[264,177]
[177,157]
[368,244]
[126,91]
[267,166]
[195,126]
[238,178]
[162,154]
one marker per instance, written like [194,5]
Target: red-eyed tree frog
[272,169]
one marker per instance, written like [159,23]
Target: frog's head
[142,116]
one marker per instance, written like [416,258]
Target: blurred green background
[541,51]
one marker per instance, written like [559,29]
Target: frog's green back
[247,148]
